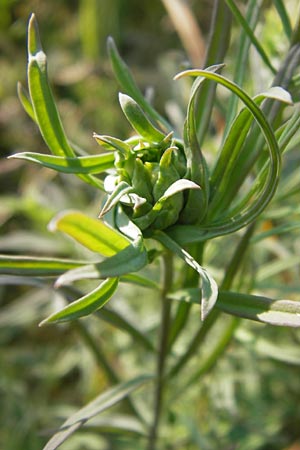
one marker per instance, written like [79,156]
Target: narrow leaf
[241,20]
[85,305]
[129,86]
[92,233]
[35,266]
[101,403]
[209,288]
[254,307]
[138,119]
[79,165]
[112,143]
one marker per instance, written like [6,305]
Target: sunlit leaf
[85,305]
[138,119]
[91,233]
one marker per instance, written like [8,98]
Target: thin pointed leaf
[279,5]
[239,17]
[138,119]
[35,266]
[85,305]
[101,403]
[42,98]
[129,86]
[112,143]
[80,165]
[43,103]
[92,233]
[209,288]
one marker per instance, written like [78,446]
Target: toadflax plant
[166,199]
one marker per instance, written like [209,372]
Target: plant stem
[167,276]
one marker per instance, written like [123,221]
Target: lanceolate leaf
[35,266]
[42,99]
[254,307]
[85,305]
[92,233]
[129,86]
[80,165]
[101,403]
[138,119]
[43,103]
[131,259]
[25,101]
[209,288]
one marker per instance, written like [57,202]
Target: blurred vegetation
[252,400]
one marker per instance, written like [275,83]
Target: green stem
[167,277]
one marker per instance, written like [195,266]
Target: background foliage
[251,399]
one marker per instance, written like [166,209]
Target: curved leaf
[85,305]
[268,188]
[209,288]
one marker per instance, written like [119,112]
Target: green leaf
[91,233]
[267,186]
[43,103]
[164,212]
[209,288]
[101,403]
[235,11]
[35,266]
[254,307]
[41,95]
[25,101]
[131,259]
[85,305]
[112,143]
[129,86]
[113,199]
[138,119]
[79,165]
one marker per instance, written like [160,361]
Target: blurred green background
[252,400]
